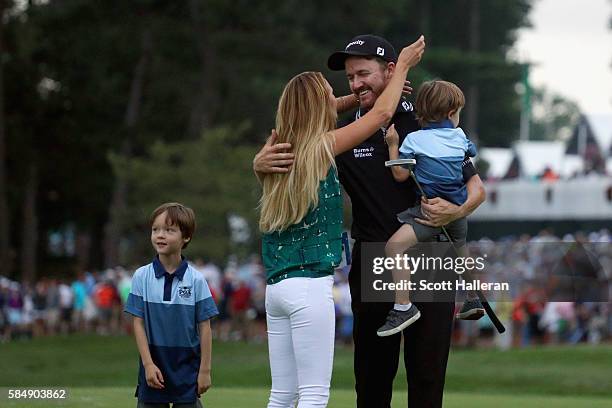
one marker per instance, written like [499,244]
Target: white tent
[602,129]
[571,164]
[499,160]
[535,156]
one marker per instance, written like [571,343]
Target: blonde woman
[301,222]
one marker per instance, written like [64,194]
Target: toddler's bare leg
[403,239]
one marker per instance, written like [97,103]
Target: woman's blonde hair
[305,118]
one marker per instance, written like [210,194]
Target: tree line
[109,108]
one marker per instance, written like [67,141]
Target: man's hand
[273,157]
[204,382]
[154,377]
[438,212]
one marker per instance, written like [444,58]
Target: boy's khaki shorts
[424,233]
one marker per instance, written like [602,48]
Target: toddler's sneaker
[471,310]
[398,321]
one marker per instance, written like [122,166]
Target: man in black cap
[376,198]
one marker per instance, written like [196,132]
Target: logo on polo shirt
[363,152]
[184,292]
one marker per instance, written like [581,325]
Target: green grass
[101,372]
[257,397]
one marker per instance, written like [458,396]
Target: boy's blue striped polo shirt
[439,150]
[171,306]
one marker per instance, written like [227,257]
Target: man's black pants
[426,349]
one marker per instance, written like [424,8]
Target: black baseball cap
[367,45]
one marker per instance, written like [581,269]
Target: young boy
[439,149]
[172,307]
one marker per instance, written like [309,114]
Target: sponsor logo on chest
[363,152]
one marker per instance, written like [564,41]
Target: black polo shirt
[376,197]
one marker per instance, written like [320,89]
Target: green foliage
[554,117]
[213,175]
[213,63]
[495,79]
[483,167]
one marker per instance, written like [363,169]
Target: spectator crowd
[551,298]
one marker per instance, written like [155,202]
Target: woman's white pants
[301,322]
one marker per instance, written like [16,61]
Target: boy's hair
[177,214]
[436,99]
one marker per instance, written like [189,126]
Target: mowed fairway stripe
[221,397]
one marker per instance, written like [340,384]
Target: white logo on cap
[358,42]
[407,106]
[380,51]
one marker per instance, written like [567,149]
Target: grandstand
[565,186]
